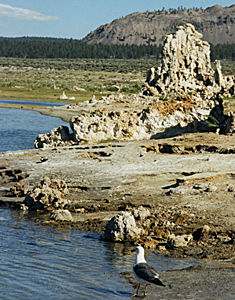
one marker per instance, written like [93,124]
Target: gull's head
[139,250]
[139,254]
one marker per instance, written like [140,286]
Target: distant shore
[53,111]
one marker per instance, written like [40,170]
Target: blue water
[22,102]
[19,128]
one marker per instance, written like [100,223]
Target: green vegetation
[46,79]
[222,51]
[212,122]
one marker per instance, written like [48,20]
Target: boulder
[122,228]
[141,213]
[20,189]
[61,215]
[46,195]
[161,234]
[163,119]
[193,251]
[56,137]
[176,241]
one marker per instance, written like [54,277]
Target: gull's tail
[158,282]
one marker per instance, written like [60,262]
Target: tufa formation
[186,69]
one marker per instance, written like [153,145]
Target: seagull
[144,273]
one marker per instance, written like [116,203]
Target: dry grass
[45,80]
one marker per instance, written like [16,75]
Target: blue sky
[75,18]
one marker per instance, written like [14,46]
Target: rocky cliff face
[217,24]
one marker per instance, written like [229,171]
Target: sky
[76,18]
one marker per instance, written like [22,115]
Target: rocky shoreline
[183,202]
[185,193]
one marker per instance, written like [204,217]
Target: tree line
[222,51]
[70,48]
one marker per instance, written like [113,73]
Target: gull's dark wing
[147,272]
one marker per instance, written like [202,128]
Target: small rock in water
[61,215]
[122,228]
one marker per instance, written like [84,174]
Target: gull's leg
[136,294]
[145,292]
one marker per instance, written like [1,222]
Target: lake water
[19,127]
[23,102]
[40,262]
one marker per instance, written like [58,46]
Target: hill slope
[216,23]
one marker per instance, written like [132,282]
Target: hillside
[216,23]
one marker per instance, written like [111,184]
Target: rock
[161,234]
[24,208]
[200,232]
[141,213]
[80,210]
[224,239]
[180,74]
[49,193]
[230,122]
[178,240]
[205,186]
[201,186]
[211,188]
[192,251]
[122,228]
[93,100]
[56,137]
[63,96]
[61,215]
[205,229]
[177,190]
[75,88]
[43,159]
[20,189]
[164,119]
[186,68]
[150,244]
[161,247]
